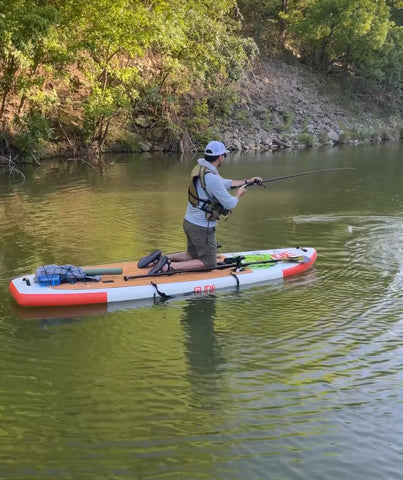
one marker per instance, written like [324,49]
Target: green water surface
[300,379]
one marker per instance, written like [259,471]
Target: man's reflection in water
[201,345]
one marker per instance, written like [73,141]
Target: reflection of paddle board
[257,267]
[57,315]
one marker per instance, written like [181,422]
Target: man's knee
[210,262]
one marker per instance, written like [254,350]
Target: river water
[294,380]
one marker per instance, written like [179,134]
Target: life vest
[211,205]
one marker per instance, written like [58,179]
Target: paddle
[236,263]
[103,271]
[275,179]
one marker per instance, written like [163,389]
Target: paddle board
[124,281]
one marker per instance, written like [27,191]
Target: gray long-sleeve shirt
[217,187]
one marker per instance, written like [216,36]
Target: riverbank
[284,104]
[279,103]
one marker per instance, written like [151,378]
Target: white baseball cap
[215,148]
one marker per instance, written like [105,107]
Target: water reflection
[57,315]
[202,349]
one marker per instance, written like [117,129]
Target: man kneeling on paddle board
[209,199]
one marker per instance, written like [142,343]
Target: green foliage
[122,140]
[396,11]
[98,64]
[344,137]
[200,109]
[198,125]
[119,58]
[389,60]
[306,124]
[244,116]
[102,105]
[202,137]
[31,129]
[288,119]
[306,139]
[339,31]
[323,137]
[268,121]
[25,33]
[360,37]
[222,100]
[358,135]
[264,21]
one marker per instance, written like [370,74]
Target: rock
[265,138]
[143,121]
[235,145]
[333,136]
[280,143]
[387,136]
[144,146]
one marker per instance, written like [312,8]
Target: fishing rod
[275,179]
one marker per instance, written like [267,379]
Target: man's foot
[162,266]
[151,259]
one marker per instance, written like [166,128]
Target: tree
[25,45]
[142,56]
[264,20]
[343,32]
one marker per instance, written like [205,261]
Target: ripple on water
[302,377]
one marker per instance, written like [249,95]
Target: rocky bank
[284,104]
[288,105]
[281,104]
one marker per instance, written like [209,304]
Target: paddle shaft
[300,259]
[103,271]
